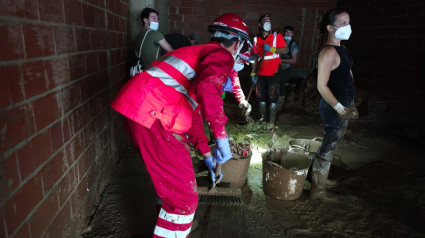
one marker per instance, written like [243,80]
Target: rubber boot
[319,175]
[272,116]
[280,103]
[262,106]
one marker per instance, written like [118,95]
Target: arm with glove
[239,95]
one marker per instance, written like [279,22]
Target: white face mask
[343,33]
[287,38]
[238,67]
[267,26]
[154,25]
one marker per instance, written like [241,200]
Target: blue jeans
[334,128]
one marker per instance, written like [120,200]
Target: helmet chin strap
[242,42]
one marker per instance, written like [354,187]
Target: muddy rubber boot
[319,175]
[330,183]
[280,103]
[272,116]
[262,106]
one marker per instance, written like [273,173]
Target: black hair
[328,19]
[146,12]
[263,16]
[291,28]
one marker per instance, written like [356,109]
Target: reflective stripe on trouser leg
[168,162]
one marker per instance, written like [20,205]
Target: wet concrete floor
[379,167]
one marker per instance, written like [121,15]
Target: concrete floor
[379,167]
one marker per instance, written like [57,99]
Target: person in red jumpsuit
[167,102]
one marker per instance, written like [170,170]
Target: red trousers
[168,162]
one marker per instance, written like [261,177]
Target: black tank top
[341,82]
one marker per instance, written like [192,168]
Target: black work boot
[280,103]
[272,115]
[262,106]
[319,175]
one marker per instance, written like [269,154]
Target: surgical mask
[343,33]
[267,26]
[287,38]
[154,25]
[238,67]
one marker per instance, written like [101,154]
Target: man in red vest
[267,47]
[167,102]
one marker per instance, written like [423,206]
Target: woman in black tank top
[336,86]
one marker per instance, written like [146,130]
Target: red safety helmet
[234,25]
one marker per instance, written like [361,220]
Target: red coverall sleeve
[215,64]
[236,86]
[196,133]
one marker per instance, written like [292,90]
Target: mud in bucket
[305,145]
[284,174]
[235,170]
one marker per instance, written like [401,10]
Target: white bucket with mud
[305,145]
[284,174]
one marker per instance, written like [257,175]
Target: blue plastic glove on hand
[269,48]
[253,78]
[211,164]
[222,152]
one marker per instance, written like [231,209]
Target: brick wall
[187,16]
[388,46]
[61,62]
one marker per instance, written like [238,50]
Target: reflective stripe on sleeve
[175,218]
[181,66]
[162,232]
[168,80]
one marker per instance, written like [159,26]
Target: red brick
[99,3]
[39,41]
[71,97]
[22,202]
[51,10]
[111,5]
[99,39]
[11,91]
[18,124]
[40,220]
[83,39]
[57,135]
[67,185]
[103,64]
[11,42]
[57,71]
[35,80]
[34,153]
[93,17]
[47,110]
[58,226]
[10,175]
[53,170]
[77,66]
[20,9]
[64,39]
[92,63]
[73,12]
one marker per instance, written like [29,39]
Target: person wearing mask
[288,59]
[150,41]
[267,47]
[336,86]
[164,107]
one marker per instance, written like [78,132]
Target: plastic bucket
[235,170]
[284,174]
[305,145]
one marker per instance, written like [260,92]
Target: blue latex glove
[253,78]
[211,164]
[227,87]
[267,47]
[222,152]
